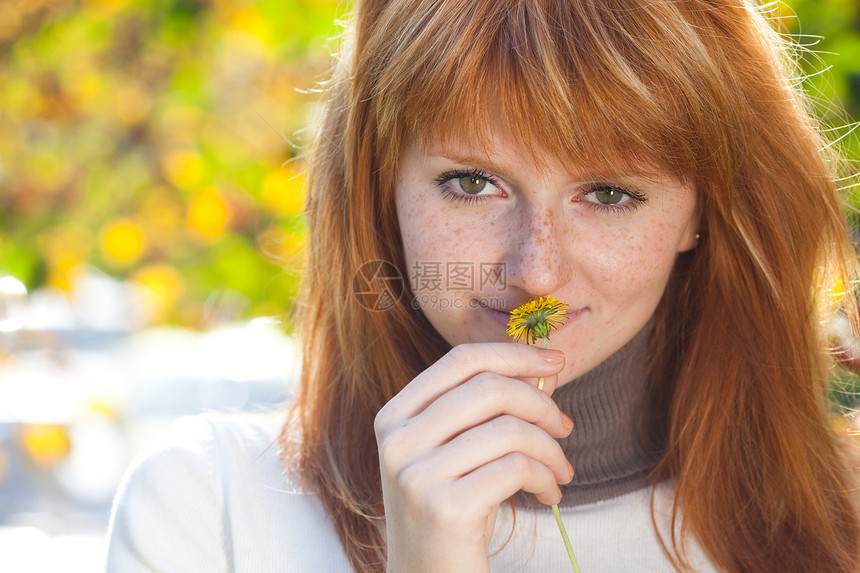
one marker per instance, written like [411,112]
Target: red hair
[700,89]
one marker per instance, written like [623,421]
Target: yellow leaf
[132,104]
[284,191]
[251,21]
[103,408]
[163,288]
[105,7]
[65,250]
[11,20]
[122,241]
[184,168]
[208,214]
[282,247]
[46,444]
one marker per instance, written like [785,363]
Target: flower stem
[557,513]
[540,382]
[565,538]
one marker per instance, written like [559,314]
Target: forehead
[607,88]
[498,149]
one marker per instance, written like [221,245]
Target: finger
[465,361]
[484,397]
[495,482]
[549,384]
[496,439]
[487,398]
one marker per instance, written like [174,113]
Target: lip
[502,317]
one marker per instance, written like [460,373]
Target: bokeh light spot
[208,214]
[46,444]
[283,247]
[132,105]
[163,287]
[284,191]
[184,168]
[122,241]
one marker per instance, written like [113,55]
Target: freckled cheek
[431,236]
[628,263]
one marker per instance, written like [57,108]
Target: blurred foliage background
[157,140]
[156,145]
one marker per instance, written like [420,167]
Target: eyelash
[449,192]
[637,199]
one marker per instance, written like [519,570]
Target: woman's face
[485,231]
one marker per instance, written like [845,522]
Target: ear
[692,232]
[690,236]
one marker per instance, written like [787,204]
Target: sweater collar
[608,447]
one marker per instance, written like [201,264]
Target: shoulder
[170,512]
[205,450]
[215,495]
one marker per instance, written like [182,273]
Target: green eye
[472,184]
[610,198]
[609,195]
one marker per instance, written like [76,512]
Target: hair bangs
[566,81]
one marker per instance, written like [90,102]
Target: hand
[457,441]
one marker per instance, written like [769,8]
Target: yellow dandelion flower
[530,321]
[536,319]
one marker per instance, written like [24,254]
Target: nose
[536,259]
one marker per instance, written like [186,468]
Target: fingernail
[552,356]
[566,422]
[570,470]
[559,495]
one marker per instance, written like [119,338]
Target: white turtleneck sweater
[216,497]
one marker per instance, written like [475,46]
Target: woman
[647,162]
